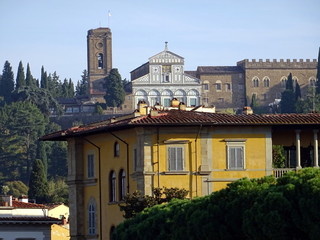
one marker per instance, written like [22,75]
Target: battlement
[288,63]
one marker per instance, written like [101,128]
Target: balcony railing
[279,172]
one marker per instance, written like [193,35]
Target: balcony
[279,172]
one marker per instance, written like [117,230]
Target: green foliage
[58,191]
[278,156]
[83,85]
[136,202]
[318,74]
[99,110]
[310,104]
[7,83]
[16,188]
[115,93]
[40,97]
[21,80]
[265,208]
[287,104]
[30,81]
[38,185]
[21,125]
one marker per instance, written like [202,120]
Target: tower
[99,48]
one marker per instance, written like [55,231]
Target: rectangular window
[166,102]
[206,86]
[90,166]
[236,154]
[193,102]
[175,158]
[135,159]
[235,158]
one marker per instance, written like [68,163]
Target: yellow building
[201,152]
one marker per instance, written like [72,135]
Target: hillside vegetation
[266,208]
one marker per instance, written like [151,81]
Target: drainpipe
[127,157]
[158,156]
[99,173]
[196,158]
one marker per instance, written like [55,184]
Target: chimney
[23,198]
[175,102]
[7,200]
[247,110]
[182,106]
[142,107]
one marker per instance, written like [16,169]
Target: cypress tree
[20,80]
[29,79]
[297,91]
[70,88]
[38,185]
[7,83]
[44,79]
[114,89]
[318,74]
[288,97]
[289,83]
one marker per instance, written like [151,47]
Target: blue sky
[204,32]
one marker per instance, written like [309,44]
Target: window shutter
[179,158]
[171,154]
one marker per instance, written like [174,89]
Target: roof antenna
[166,46]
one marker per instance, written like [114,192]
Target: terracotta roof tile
[178,118]
[29,220]
[18,204]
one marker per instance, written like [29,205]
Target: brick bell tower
[99,45]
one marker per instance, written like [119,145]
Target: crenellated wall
[275,64]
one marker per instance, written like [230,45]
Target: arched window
[116,149]
[283,82]
[100,61]
[312,82]
[112,186]
[122,184]
[266,82]
[255,82]
[92,217]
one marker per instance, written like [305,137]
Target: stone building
[163,78]
[99,44]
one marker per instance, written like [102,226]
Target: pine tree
[70,88]
[114,89]
[21,80]
[7,83]
[38,185]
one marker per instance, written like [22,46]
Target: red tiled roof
[188,118]
[29,220]
[18,204]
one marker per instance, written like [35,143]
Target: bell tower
[99,48]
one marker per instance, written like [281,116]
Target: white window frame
[92,218]
[90,165]
[175,151]
[236,145]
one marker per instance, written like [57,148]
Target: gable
[166,57]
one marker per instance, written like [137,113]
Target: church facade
[163,78]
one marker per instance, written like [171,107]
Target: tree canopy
[265,208]
[38,185]
[114,89]
[7,83]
